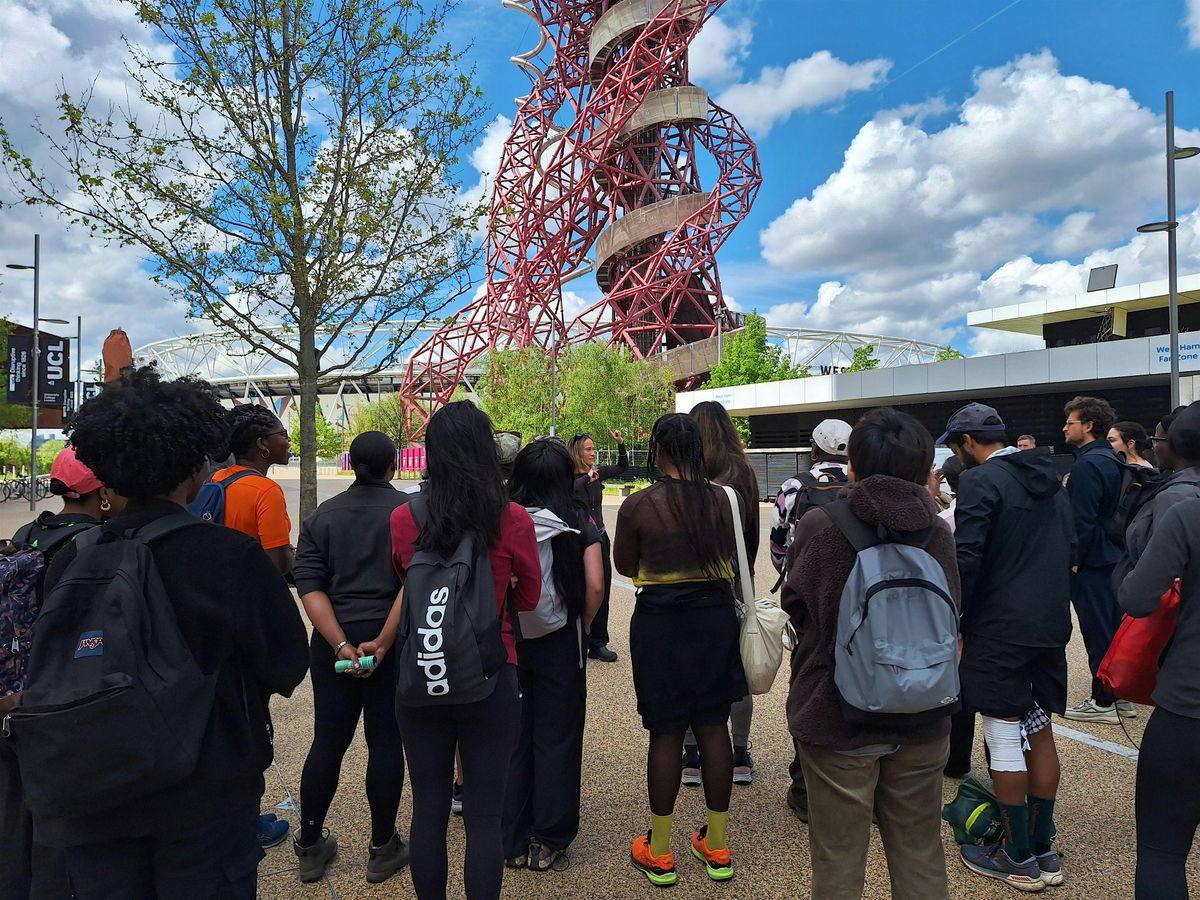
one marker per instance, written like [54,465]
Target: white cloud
[805,84]
[486,159]
[919,225]
[77,42]
[1192,23]
[716,55]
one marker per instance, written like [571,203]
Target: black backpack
[115,707]
[796,496]
[448,648]
[1138,485]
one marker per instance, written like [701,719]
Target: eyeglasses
[282,431]
[1158,440]
[1073,422]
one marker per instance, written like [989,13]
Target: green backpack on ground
[974,814]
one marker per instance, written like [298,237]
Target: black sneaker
[315,859]
[542,858]
[743,766]
[602,653]
[384,862]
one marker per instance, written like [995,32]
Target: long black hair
[465,491]
[143,437]
[690,498]
[543,475]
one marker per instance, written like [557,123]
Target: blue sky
[920,158]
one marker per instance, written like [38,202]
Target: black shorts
[1007,680]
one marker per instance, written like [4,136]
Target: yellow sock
[660,834]
[715,835]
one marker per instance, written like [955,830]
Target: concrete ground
[1094,812]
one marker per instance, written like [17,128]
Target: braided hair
[143,437]
[248,423]
[690,498]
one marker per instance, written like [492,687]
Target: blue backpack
[209,504]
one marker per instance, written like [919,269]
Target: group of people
[523,526]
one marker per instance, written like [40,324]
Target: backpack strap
[863,536]
[151,531]
[238,476]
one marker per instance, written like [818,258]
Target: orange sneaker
[719,863]
[660,870]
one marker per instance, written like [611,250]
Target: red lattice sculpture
[603,154]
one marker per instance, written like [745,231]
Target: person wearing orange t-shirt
[256,505]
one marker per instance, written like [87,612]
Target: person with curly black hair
[150,440]
[254,504]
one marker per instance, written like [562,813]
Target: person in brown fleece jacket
[854,771]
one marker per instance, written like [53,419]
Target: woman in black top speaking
[345,579]
[589,488]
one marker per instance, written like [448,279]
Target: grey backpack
[551,612]
[895,659]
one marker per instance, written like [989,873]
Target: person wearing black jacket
[345,579]
[1168,769]
[1094,490]
[150,441]
[1014,538]
[589,489]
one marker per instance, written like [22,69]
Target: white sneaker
[1090,711]
[1126,710]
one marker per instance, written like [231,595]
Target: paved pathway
[1094,813]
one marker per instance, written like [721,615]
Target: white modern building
[1110,343]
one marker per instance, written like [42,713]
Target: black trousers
[338,702]
[962,741]
[27,869]
[598,636]
[1167,805]
[542,801]
[484,733]
[214,859]
[1099,616]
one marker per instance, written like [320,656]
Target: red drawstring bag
[1130,668]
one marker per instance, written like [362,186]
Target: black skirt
[687,666]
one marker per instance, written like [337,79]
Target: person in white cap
[821,484]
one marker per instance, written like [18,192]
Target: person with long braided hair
[675,539]
[255,505]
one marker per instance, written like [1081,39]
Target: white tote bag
[765,627]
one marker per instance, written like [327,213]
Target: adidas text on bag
[895,657]
[116,707]
[448,647]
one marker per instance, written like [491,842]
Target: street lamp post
[1170,226]
[554,390]
[720,328]
[34,373]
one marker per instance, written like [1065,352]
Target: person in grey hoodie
[1183,483]
[1168,772]
[1015,537]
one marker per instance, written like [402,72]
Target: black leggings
[338,701]
[1168,805]
[664,763]
[598,636]
[485,733]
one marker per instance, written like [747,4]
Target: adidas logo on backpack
[448,647]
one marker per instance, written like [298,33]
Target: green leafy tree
[386,414]
[747,357]
[864,360]
[598,388]
[290,171]
[947,353]
[327,441]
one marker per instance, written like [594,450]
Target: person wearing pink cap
[28,868]
[86,502]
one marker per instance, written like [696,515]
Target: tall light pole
[1170,226]
[554,390]
[720,328]
[34,373]
[78,361]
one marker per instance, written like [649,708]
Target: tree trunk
[307,375]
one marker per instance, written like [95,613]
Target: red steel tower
[606,153]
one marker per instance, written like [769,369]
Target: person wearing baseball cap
[86,501]
[24,861]
[1015,539]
